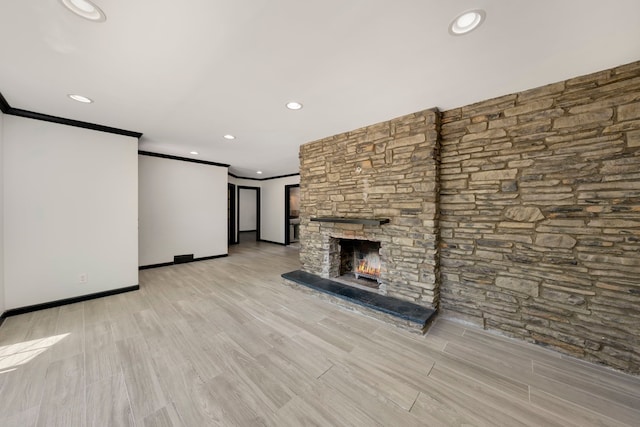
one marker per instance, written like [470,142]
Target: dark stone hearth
[404,310]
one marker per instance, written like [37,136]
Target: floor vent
[181,259]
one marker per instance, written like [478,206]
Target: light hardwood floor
[224,342]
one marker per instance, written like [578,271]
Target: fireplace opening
[360,262]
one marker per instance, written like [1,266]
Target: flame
[366,268]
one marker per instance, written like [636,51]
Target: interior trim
[264,179]
[166,264]
[272,242]
[60,302]
[7,109]
[4,105]
[184,159]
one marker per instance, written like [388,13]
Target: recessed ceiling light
[466,22]
[85,9]
[80,98]
[193,152]
[259,172]
[294,105]
[227,136]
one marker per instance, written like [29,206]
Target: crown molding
[7,109]
[264,179]
[184,159]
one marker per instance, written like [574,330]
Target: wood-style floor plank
[614,394]
[571,413]
[490,403]
[108,403]
[224,342]
[63,397]
[164,417]
[23,384]
[27,418]
[378,407]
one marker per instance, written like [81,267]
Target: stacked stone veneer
[535,198]
[540,215]
[388,170]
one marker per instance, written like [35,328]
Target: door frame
[287,205]
[232,238]
[257,189]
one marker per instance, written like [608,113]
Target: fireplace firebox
[360,262]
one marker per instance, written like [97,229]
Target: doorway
[248,213]
[232,236]
[291,214]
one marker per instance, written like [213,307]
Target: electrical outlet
[83,278]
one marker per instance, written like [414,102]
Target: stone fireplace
[378,185]
[520,213]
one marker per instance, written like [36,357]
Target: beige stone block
[528,107]
[333,177]
[614,223]
[589,78]
[458,198]
[564,223]
[375,135]
[540,92]
[629,111]
[365,164]
[555,240]
[456,159]
[494,175]
[524,213]
[406,141]
[521,163]
[489,134]
[495,256]
[453,184]
[547,198]
[633,139]
[522,225]
[583,119]
[402,241]
[623,165]
[531,131]
[486,110]
[609,259]
[477,127]
[518,284]
[623,126]
[503,123]
[382,189]
[612,185]
[568,289]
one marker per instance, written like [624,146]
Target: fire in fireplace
[368,267]
[360,259]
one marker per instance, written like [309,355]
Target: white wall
[272,209]
[2,303]
[248,207]
[183,209]
[70,208]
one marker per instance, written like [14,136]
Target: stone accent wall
[388,170]
[540,215]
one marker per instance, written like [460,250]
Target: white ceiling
[184,73]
